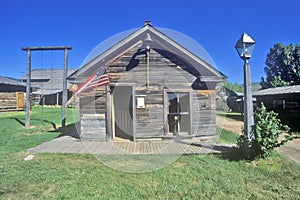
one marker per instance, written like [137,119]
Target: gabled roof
[160,42]
[278,91]
[11,81]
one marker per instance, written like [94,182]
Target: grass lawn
[226,136]
[77,176]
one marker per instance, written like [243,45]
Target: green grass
[226,136]
[76,176]
[223,113]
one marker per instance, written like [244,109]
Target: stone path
[67,144]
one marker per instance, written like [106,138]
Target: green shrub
[267,129]
[266,133]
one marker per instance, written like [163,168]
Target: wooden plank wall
[131,68]
[12,101]
[92,115]
[92,127]
[165,75]
[204,112]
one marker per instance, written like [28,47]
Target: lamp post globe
[245,46]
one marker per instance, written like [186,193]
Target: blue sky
[215,24]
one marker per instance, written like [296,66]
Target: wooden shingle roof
[278,91]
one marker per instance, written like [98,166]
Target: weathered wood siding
[204,112]
[164,74]
[12,101]
[131,69]
[92,115]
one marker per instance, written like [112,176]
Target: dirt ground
[291,149]
[230,124]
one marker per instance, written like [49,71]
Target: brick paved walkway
[67,144]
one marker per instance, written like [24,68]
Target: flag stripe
[82,86]
[100,79]
[95,80]
[98,84]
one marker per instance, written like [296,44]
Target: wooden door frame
[166,109]
[112,120]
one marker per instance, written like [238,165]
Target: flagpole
[108,114]
[95,80]
[108,109]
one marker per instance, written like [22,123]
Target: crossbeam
[43,48]
[28,84]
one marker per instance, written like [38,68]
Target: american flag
[98,79]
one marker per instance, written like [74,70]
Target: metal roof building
[47,81]
[283,100]
[278,91]
[11,85]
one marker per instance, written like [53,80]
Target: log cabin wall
[12,101]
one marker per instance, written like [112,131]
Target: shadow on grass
[234,154]
[223,148]
[41,120]
[18,120]
[69,130]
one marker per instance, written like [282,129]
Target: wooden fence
[12,101]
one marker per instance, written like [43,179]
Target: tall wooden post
[65,91]
[248,106]
[28,87]
[108,114]
[245,47]
[64,101]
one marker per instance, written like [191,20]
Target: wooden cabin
[283,100]
[158,89]
[8,84]
[12,94]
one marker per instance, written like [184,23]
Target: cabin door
[178,112]
[123,112]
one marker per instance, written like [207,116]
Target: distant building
[234,100]
[11,85]
[283,100]
[11,94]
[48,85]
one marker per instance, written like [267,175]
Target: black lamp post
[245,47]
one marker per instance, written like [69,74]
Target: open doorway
[123,112]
